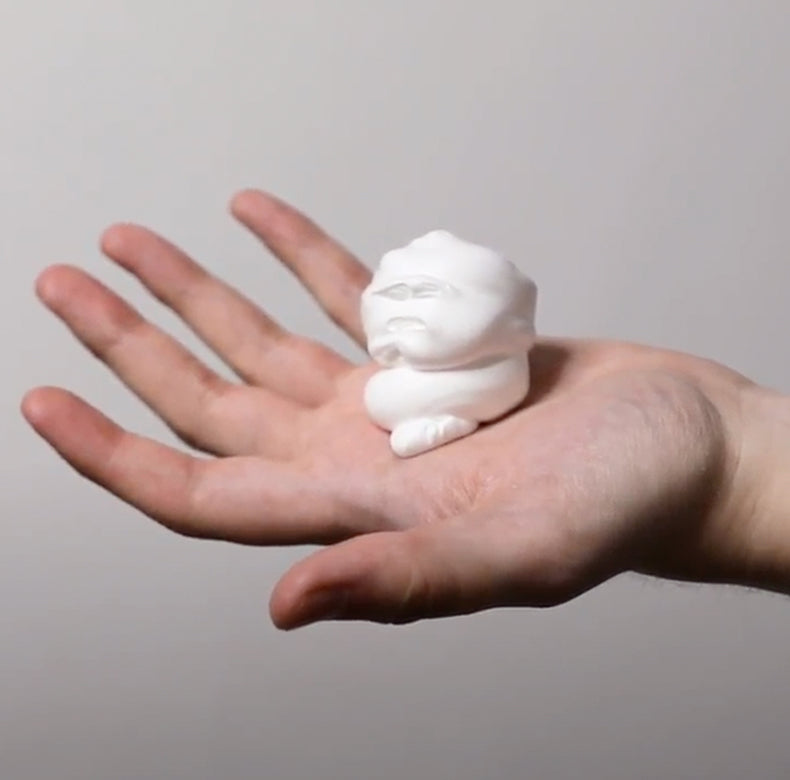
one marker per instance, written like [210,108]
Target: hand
[622,457]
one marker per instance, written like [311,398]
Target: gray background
[631,156]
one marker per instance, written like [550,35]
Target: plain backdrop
[632,157]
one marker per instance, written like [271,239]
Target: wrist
[743,535]
[755,516]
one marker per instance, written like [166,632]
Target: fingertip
[240,202]
[340,582]
[51,284]
[45,284]
[249,202]
[306,595]
[30,406]
[304,609]
[38,404]
[284,618]
[58,409]
[289,597]
[114,241]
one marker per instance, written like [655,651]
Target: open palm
[622,457]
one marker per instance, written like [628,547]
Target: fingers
[205,410]
[250,342]
[150,476]
[332,275]
[398,577]
[244,499]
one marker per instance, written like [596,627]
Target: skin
[623,457]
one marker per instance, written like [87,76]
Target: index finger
[242,499]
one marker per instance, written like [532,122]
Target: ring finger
[249,341]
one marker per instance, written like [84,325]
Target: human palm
[622,457]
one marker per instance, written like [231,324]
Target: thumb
[452,568]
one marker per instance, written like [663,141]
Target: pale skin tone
[623,458]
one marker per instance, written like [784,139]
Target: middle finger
[203,409]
